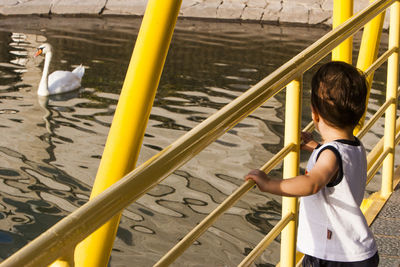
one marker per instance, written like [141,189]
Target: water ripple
[51,147]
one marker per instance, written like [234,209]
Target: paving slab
[27,7]
[231,9]
[77,6]
[254,9]
[386,228]
[200,8]
[287,11]
[272,11]
[125,7]
[295,12]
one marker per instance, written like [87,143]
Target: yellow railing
[67,233]
[130,120]
[342,11]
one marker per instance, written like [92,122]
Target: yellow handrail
[310,127]
[75,227]
[382,59]
[378,148]
[391,93]
[275,231]
[202,227]
[182,245]
[178,249]
[294,92]
[369,51]
[377,164]
[130,119]
[277,158]
[342,11]
[374,118]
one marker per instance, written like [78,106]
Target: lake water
[50,148]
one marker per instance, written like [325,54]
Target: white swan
[59,81]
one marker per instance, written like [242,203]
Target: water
[50,148]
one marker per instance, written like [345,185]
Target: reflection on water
[51,147]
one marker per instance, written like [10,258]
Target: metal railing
[67,233]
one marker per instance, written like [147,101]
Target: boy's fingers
[305,136]
[254,172]
[250,177]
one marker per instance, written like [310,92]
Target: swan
[59,81]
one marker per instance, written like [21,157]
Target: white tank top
[331,224]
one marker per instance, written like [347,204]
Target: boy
[332,230]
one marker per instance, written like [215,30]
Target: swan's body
[59,81]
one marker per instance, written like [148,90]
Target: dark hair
[338,94]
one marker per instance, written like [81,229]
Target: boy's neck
[329,133]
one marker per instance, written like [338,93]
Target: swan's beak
[38,52]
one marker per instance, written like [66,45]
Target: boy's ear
[315,115]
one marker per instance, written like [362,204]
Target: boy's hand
[259,177]
[308,143]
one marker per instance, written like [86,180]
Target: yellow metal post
[368,52]
[67,260]
[291,169]
[342,11]
[130,119]
[391,93]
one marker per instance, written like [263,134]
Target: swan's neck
[43,85]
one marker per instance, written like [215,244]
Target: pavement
[311,12]
[386,228]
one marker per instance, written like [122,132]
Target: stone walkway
[309,12]
[386,229]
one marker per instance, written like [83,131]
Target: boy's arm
[321,174]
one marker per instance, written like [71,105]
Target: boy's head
[338,94]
